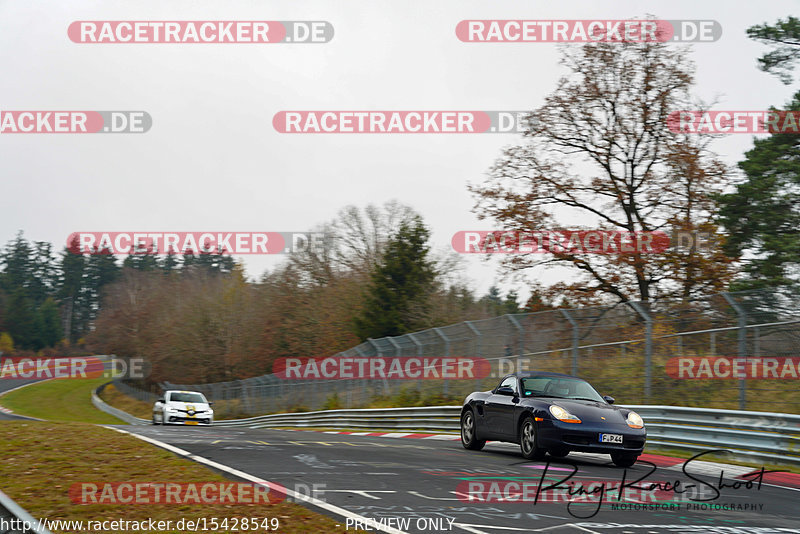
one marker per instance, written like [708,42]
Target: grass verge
[42,460]
[126,403]
[59,400]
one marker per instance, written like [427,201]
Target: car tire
[469,432]
[154,419]
[528,440]
[623,459]
[559,453]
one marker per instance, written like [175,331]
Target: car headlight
[634,420]
[563,415]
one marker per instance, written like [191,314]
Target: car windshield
[559,387]
[187,397]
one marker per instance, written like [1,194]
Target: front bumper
[585,437]
[180,419]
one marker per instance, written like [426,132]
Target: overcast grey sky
[212,160]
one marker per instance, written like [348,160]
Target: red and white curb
[738,472]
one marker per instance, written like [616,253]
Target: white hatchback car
[183,408]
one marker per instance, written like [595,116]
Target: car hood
[593,411]
[196,406]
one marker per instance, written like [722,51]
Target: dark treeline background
[197,317]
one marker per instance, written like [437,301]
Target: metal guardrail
[14,519]
[750,436]
[119,414]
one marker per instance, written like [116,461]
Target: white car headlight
[634,420]
[563,415]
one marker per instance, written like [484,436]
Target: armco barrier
[16,518]
[119,414]
[759,437]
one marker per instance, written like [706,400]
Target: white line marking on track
[271,485]
[363,493]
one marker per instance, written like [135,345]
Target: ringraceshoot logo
[81,122]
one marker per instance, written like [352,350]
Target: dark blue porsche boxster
[552,413]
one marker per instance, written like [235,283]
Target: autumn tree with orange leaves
[598,155]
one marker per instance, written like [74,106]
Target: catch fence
[729,350]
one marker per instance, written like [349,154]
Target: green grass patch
[42,460]
[114,397]
[59,400]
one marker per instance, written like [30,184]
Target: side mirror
[505,391]
[608,399]
[160,400]
[211,403]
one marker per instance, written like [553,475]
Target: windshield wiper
[582,398]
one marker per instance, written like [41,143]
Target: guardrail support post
[648,350]
[575,340]
[742,338]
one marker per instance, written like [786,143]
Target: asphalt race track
[417,479]
[7,385]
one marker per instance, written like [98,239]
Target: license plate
[190,422]
[610,438]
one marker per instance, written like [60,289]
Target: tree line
[598,151]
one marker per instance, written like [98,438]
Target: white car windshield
[187,397]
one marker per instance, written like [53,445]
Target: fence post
[446,353]
[363,380]
[742,338]
[419,354]
[380,355]
[521,335]
[648,351]
[397,349]
[477,346]
[575,340]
